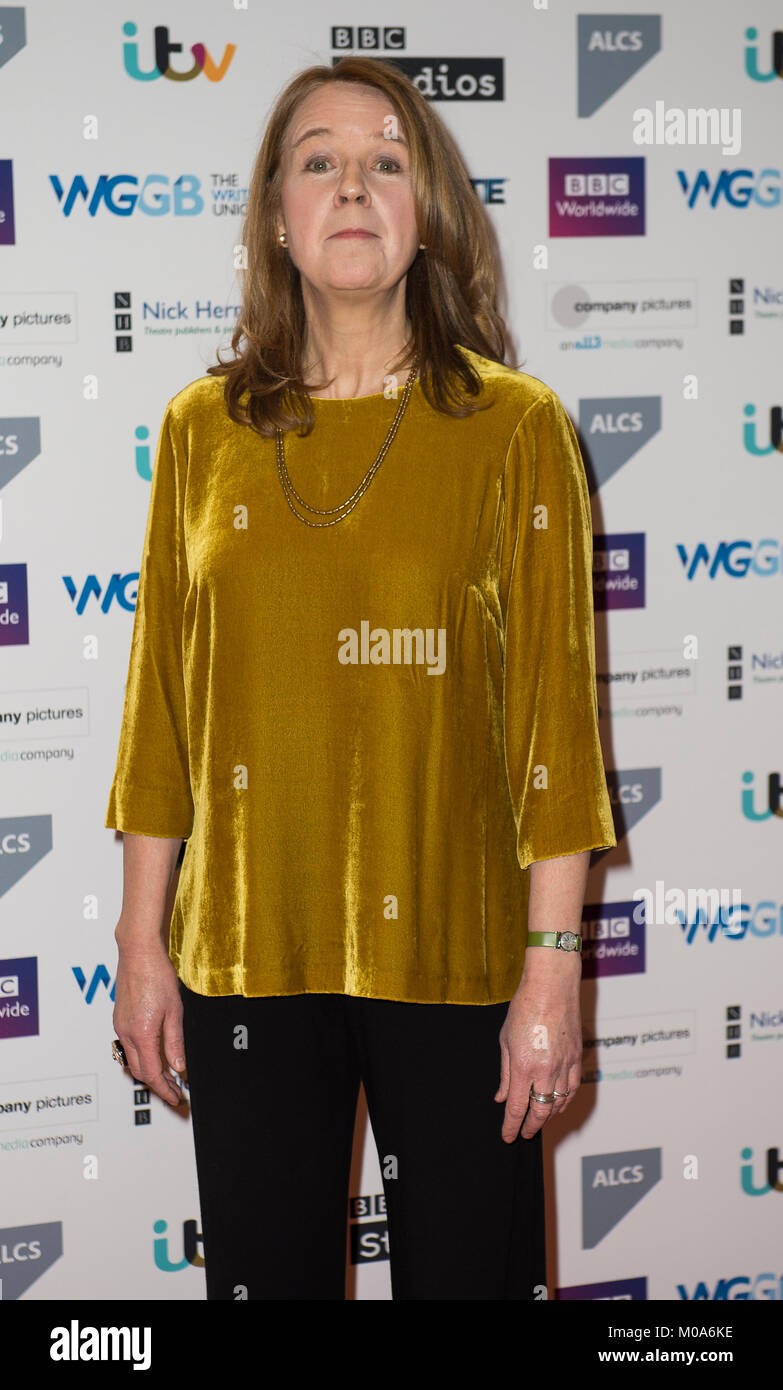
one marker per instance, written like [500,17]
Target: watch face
[569,941]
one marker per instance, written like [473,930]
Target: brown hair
[450,288]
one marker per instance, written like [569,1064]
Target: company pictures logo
[596,197]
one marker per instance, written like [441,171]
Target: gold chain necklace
[346,507]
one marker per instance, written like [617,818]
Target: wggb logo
[737,187]
[123,194]
[116,590]
[760,919]
[740,1288]
[737,559]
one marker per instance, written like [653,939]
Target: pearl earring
[282,239]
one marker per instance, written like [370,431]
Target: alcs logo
[163,50]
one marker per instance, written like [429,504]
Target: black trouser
[273,1125]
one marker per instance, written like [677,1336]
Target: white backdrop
[658,1175]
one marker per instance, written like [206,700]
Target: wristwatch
[560,940]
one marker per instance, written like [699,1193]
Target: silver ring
[561,1094]
[542,1100]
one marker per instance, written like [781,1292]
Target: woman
[361,686]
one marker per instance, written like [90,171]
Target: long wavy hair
[450,291]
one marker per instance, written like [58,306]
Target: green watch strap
[551,938]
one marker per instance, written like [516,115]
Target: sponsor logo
[596,197]
[734,558]
[612,1184]
[14,32]
[645,675]
[26,1252]
[155,195]
[739,1288]
[749,436]
[26,1105]
[100,976]
[613,942]
[611,304]
[192,1245]
[615,428]
[772,1172]
[639,1037]
[490,191]
[774,806]
[438,79]
[766,667]
[763,919]
[116,590]
[7,218]
[19,997]
[619,571]
[752,68]
[20,442]
[32,714]
[369,1233]
[736,187]
[14,625]
[163,49]
[30,317]
[632,794]
[611,48]
[24,840]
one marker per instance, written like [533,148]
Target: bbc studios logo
[438,79]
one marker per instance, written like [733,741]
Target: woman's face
[348,175]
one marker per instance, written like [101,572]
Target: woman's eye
[319,159]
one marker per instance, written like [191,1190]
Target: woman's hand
[540,1045]
[148,1018]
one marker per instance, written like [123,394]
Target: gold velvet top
[366,733]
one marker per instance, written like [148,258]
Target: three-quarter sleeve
[553,754]
[151,790]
